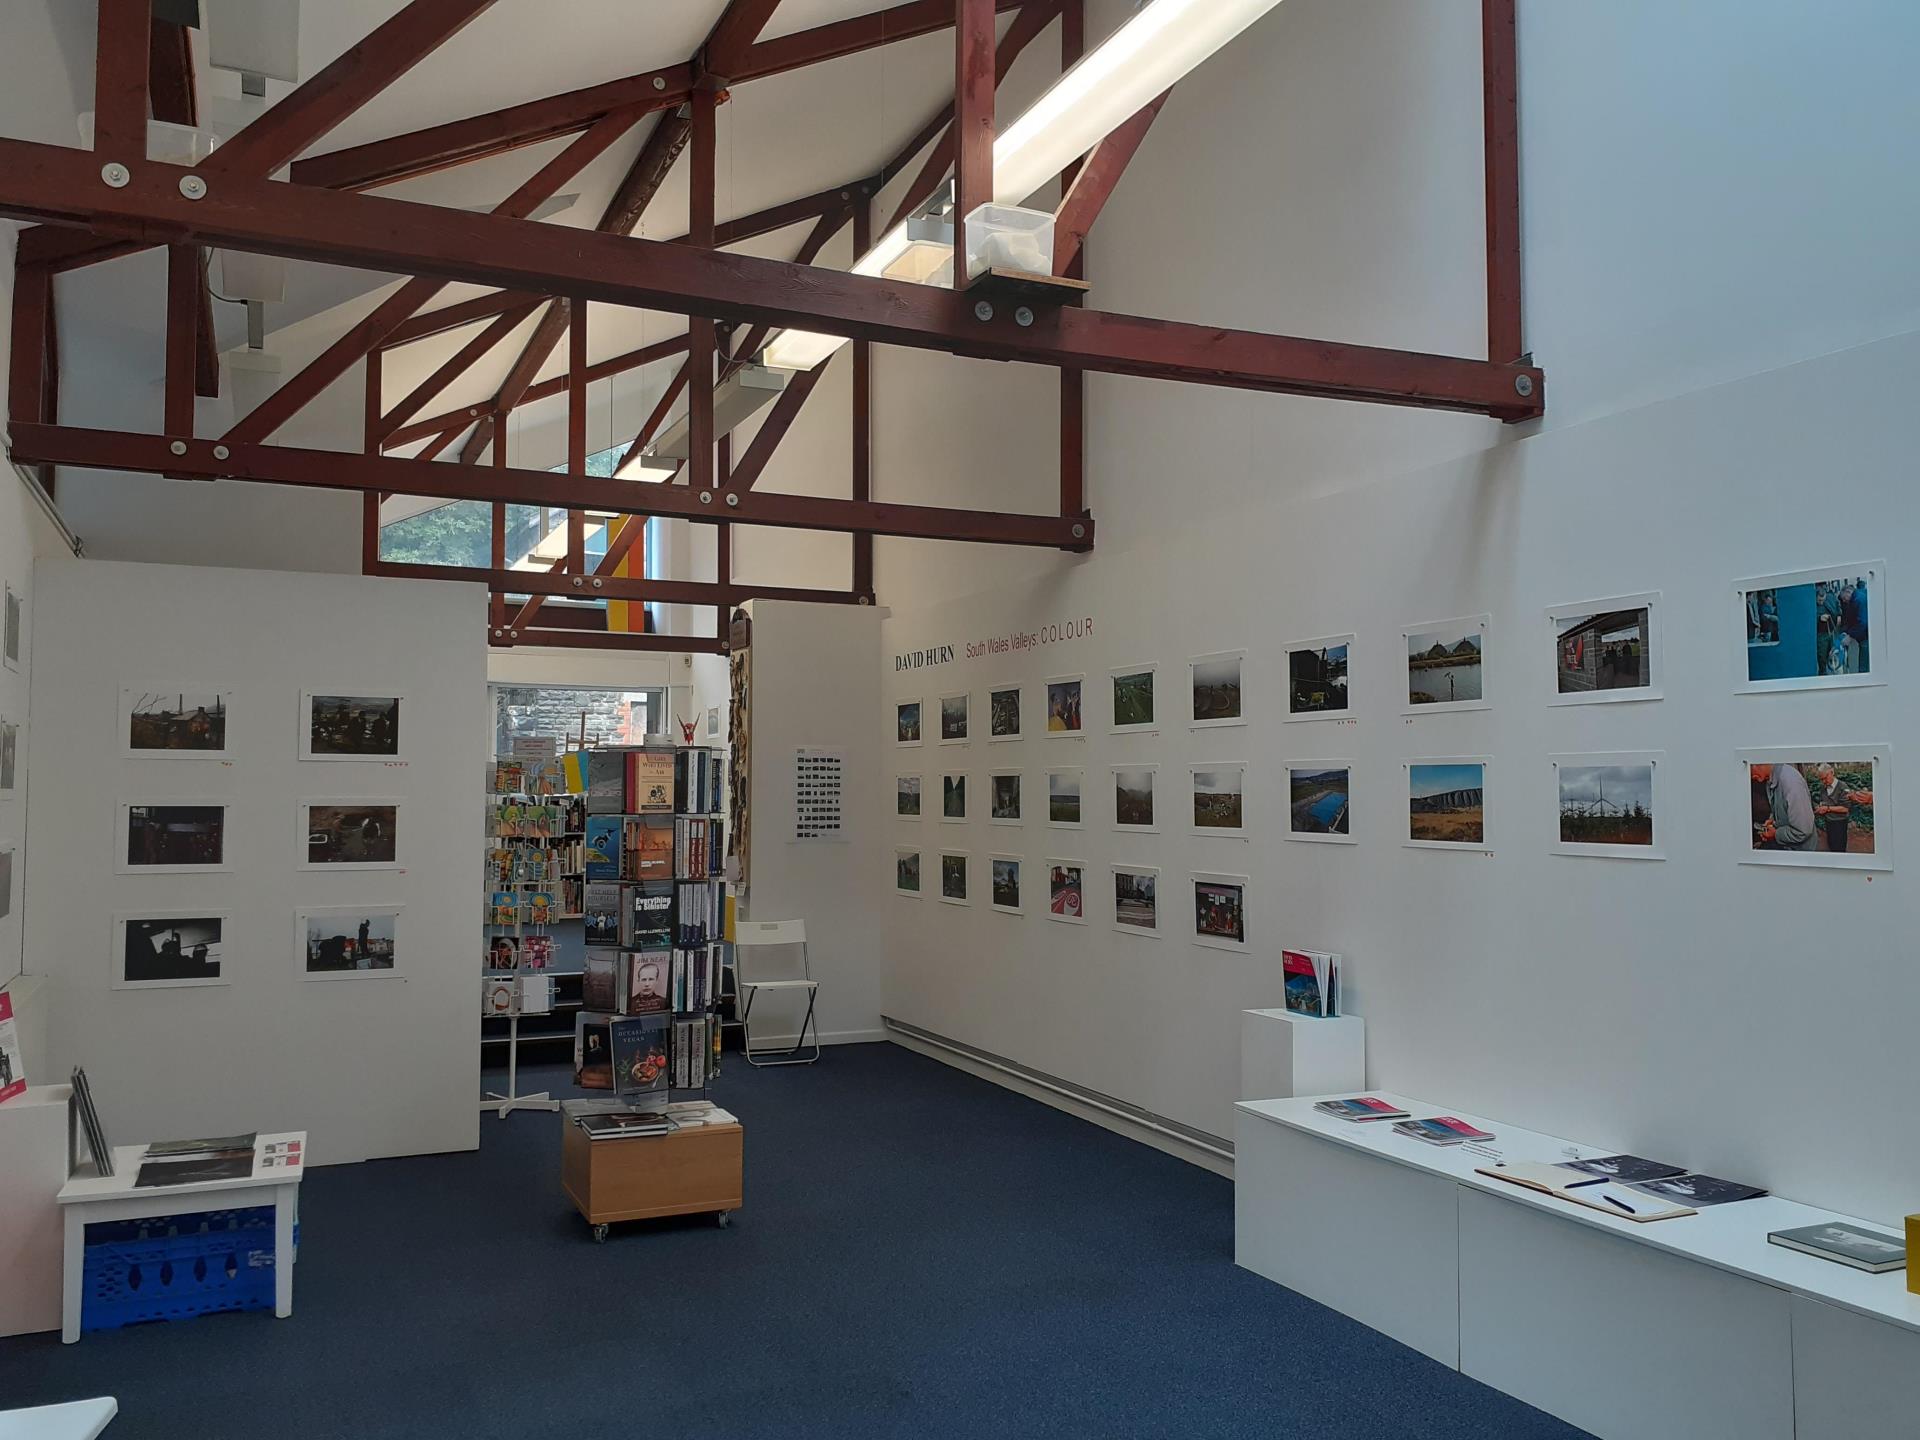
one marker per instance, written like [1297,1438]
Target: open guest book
[1596,1192]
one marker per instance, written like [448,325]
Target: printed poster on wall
[817,791]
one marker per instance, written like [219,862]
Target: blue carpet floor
[921,1254]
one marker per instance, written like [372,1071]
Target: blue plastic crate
[176,1267]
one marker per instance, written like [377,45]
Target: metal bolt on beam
[1023,317]
[1523,385]
[194,187]
[178,447]
[115,174]
[983,310]
[659,82]
[1079,532]
[598,584]
[734,501]
[221,452]
[706,497]
[578,583]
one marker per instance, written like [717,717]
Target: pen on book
[1621,1203]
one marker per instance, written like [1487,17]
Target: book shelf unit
[535,846]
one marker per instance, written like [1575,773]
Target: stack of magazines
[1364,1107]
[1442,1130]
[616,1119]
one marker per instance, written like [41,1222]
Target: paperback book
[599,988]
[625,1124]
[1361,1108]
[648,976]
[1698,1190]
[1312,981]
[600,903]
[646,921]
[592,1051]
[1442,1130]
[603,847]
[650,782]
[1867,1250]
[640,1059]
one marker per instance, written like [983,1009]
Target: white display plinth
[1679,1328]
[1283,1054]
[33,1167]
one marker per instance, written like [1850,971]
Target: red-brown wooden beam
[183,338]
[609,640]
[577,428]
[48,182]
[973,86]
[1093,184]
[1073,382]
[123,35]
[774,428]
[349,349]
[370,445]
[458,315]
[173,94]
[618,548]
[1506,334]
[555,585]
[733,36]
[862,455]
[505,485]
[701,182]
[723,536]
[450,370]
[32,384]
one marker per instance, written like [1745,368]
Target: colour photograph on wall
[9,757]
[1213,684]
[351,834]
[185,722]
[1003,712]
[906,722]
[1220,911]
[1823,806]
[954,719]
[343,942]
[1063,797]
[166,949]
[350,727]
[1066,891]
[1317,678]
[1220,799]
[1608,805]
[173,838]
[953,879]
[1133,796]
[10,630]
[1136,899]
[1003,797]
[1606,650]
[1133,698]
[906,872]
[1812,628]
[1319,800]
[6,879]
[953,797]
[1064,714]
[1445,668]
[1447,804]
[906,796]
[1005,883]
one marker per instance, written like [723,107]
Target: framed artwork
[906,872]
[189,722]
[350,834]
[1220,799]
[348,942]
[9,759]
[1067,891]
[1133,709]
[1136,899]
[1609,804]
[1214,691]
[906,796]
[1004,800]
[350,727]
[1812,629]
[1065,715]
[1133,797]
[1607,651]
[1003,712]
[906,721]
[10,626]
[6,879]
[1317,673]
[169,949]
[1447,803]
[1004,883]
[1320,801]
[953,878]
[955,718]
[178,837]
[1064,807]
[1220,910]
[1445,665]
[953,798]
[1823,806]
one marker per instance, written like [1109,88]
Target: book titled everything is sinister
[1868,1250]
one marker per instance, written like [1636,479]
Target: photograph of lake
[1443,665]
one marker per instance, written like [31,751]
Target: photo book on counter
[1442,1130]
[1312,981]
[1361,1108]
[1868,1250]
[196,1162]
[1664,1181]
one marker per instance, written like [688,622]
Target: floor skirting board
[1182,1141]
[765,1040]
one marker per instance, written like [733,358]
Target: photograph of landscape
[1063,797]
[1219,797]
[953,718]
[1133,797]
[1444,664]
[906,871]
[906,796]
[953,797]
[1609,805]
[1133,698]
[1447,804]
[1215,681]
[1318,800]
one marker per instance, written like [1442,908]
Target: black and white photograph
[906,796]
[955,718]
[1064,798]
[1004,883]
[1005,803]
[181,723]
[1317,678]
[1320,801]
[1136,899]
[1003,712]
[1214,689]
[1445,669]
[906,872]
[1826,807]
[1812,629]
[1133,797]
[10,630]
[1220,799]
[906,721]
[179,837]
[169,949]
[343,942]
[350,834]
[350,727]
[953,878]
[1220,910]
[953,797]
[1607,651]
[1609,804]
[1134,702]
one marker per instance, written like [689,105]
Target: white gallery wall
[371,1066]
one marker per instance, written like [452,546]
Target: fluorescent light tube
[1163,42]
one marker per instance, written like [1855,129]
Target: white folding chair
[758,948]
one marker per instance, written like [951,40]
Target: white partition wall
[370,1066]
